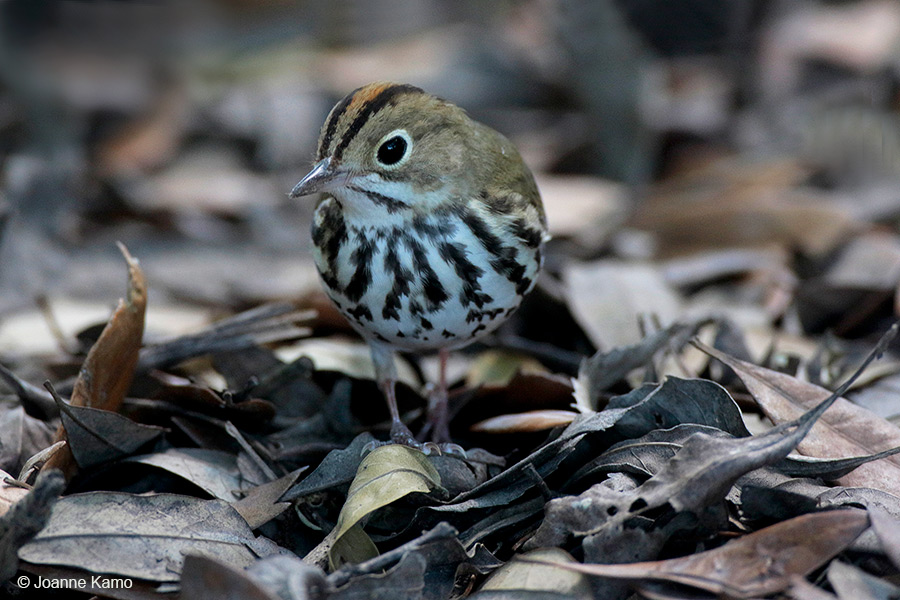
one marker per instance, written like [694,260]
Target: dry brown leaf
[859,35]
[413,58]
[608,298]
[146,143]
[205,180]
[261,505]
[758,564]
[715,264]
[732,204]
[107,371]
[845,430]
[587,208]
[533,420]
[870,261]
[811,223]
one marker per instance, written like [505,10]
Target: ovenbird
[430,233]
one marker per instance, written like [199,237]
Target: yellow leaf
[387,474]
[353,547]
[496,367]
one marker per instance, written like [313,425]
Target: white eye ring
[379,152]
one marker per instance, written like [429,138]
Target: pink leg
[438,416]
[386,376]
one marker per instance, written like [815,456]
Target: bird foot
[400,434]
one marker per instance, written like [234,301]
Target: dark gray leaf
[403,581]
[26,518]
[22,436]
[290,387]
[205,578]
[259,325]
[441,552]
[30,395]
[289,577]
[693,482]
[503,519]
[679,401]
[460,475]
[707,466]
[771,478]
[244,366]
[337,469]
[632,398]
[96,436]
[523,476]
[827,468]
[606,368]
[645,455]
[213,471]
[630,545]
[141,536]
[766,503]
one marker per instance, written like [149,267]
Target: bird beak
[322,178]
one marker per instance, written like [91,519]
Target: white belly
[419,289]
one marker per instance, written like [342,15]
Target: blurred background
[737,159]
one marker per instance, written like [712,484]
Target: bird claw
[427,448]
[451,449]
[371,446]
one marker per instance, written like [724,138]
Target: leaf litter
[658,466]
[606,457]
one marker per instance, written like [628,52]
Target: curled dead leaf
[105,375]
[533,420]
[758,564]
[844,430]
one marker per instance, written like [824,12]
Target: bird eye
[394,149]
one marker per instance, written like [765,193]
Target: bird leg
[438,420]
[400,433]
[386,376]
[438,415]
